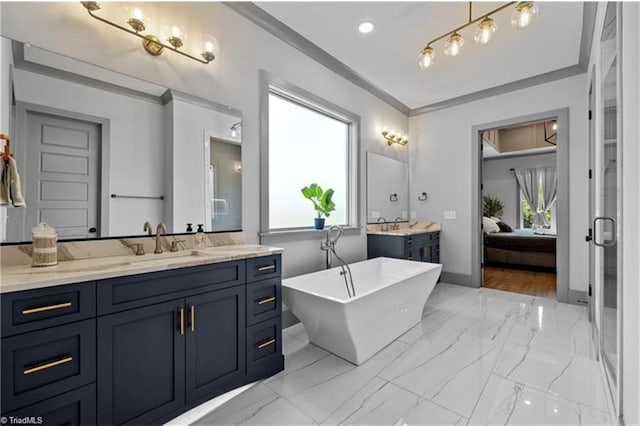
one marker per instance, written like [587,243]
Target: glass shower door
[605,225]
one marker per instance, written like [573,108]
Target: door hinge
[589,237]
[589,290]
[590,174]
[481,265]
[590,115]
[481,186]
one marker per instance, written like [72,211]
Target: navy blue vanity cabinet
[77,407]
[215,330]
[264,317]
[140,349]
[141,361]
[423,247]
[48,349]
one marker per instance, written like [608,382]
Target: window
[309,141]
[526,212]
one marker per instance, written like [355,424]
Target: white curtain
[549,182]
[528,180]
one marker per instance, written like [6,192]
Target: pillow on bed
[489,225]
[504,227]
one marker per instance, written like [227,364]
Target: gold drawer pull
[266,343]
[266,268]
[48,365]
[182,321]
[410,258]
[266,300]
[46,308]
[193,318]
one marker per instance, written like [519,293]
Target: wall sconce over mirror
[138,22]
[392,136]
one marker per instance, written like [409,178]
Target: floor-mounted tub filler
[390,297]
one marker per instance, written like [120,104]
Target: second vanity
[419,241]
[138,341]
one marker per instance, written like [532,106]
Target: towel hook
[422,197]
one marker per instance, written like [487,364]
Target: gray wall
[500,182]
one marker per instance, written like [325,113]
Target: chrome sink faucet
[160,229]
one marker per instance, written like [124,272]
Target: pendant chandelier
[523,15]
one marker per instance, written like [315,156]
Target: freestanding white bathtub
[390,296]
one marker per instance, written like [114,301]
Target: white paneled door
[62,175]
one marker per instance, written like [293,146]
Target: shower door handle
[613,240]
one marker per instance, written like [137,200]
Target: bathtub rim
[427,268]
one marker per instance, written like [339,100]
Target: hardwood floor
[533,283]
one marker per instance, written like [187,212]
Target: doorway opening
[524,204]
[519,193]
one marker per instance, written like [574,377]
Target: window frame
[271,84]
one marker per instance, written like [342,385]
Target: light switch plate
[414,215]
[450,214]
[404,214]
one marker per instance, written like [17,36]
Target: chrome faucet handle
[138,248]
[174,245]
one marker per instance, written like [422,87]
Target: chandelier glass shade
[523,15]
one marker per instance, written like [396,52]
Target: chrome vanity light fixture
[151,43]
[392,136]
[235,129]
[523,15]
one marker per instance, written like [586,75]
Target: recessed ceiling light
[365,27]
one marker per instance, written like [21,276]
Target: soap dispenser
[200,236]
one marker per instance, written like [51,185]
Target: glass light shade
[485,31]
[454,45]
[524,14]
[554,126]
[425,59]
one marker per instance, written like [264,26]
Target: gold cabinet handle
[182,321]
[266,300]
[193,318]
[410,258]
[266,343]
[46,308]
[48,365]
[266,268]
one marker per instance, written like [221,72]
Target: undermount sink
[164,258]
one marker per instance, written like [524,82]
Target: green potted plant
[321,200]
[492,207]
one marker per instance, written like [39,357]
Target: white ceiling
[387,57]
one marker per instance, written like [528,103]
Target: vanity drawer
[261,268]
[264,300]
[30,310]
[77,407]
[44,363]
[264,349]
[134,291]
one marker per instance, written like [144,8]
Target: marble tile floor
[479,356]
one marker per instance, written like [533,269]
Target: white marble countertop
[26,277]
